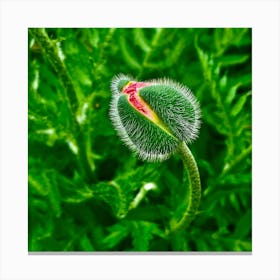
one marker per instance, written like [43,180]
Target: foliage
[86,191]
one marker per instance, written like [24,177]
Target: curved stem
[195,188]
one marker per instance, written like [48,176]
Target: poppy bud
[153,117]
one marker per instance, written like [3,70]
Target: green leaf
[239,104]
[141,40]
[82,181]
[243,227]
[117,233]
[231,94]
[142,233]
[230,60]
[128,55]
[113,195]
[86,244]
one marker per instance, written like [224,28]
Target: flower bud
[153,117]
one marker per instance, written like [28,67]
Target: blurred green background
[84,184]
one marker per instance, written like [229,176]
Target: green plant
[155,118]
[86,191]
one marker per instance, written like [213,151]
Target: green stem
[228,167]
[51,51]
[154,43]
[195,189]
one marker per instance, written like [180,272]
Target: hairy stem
[195,189]
[51,51]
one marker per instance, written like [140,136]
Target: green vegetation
[87,191]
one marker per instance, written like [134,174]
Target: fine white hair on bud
[119,82]
[153,117]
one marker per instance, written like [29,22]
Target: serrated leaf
[68,200]
[74,191]
[113,195]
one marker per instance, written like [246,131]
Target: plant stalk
[51,52]
[195,189]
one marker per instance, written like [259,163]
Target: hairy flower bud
[153,117]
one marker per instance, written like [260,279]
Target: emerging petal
[153,117]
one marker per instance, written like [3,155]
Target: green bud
[153,117]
